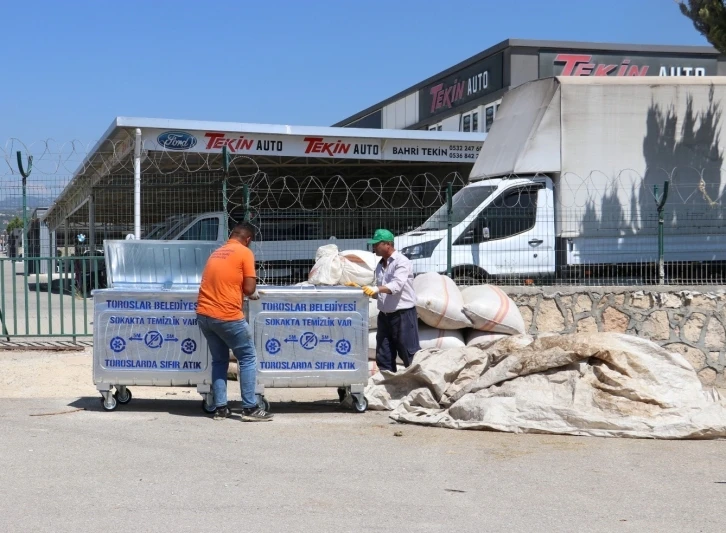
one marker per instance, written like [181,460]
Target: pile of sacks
[590,384]
[454,318]
[448,317]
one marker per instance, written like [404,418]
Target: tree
[14,224]
[709,18]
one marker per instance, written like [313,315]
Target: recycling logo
[273,346]
[118,345]
[189,346]
[343,347]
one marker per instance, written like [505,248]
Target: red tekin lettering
[579,65]
[604,70]
[214,138]
[218,140]
[570,60]
[584,69]
[316,145]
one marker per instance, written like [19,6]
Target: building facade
[466,96]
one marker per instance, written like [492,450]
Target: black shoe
[256,414]
[221,413]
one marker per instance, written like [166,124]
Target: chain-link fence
[595,230]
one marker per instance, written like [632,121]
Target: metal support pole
[246,195]
[92,223]
[225,170]
[25,175]
[137,185]
[449,225]
[660,204]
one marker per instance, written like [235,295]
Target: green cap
[381,235]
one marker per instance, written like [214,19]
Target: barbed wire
[55,164]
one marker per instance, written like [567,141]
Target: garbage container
[312,336]
[145,328]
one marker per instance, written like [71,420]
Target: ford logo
[177,140]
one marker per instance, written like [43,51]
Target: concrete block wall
[687,320]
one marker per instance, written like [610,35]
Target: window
[509,214]
[206,229]
[463,204]
[435,127]
[489,117]
[470,121]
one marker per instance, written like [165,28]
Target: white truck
[284,249]
[565,184]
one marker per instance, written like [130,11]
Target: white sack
[591,384]
[372,345]
[373,314]
[438,302]
[441,339]
[490,309]
[483,339]
[328,266]
[358,267]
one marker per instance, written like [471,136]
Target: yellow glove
[370,291]
[351,284]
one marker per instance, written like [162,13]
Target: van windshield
[163,230]
[464,203]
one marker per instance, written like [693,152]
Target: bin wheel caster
[207,408]
[342,393]
[110,404]
[123,397]
[263,403]
[360,404]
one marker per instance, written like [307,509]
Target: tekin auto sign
[587,64]
[318,146]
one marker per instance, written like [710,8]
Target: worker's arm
[400,276]
[249,288]
[249,279]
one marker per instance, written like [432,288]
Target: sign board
[311,337]
[482,78]
[589,64]
[148,333]
[251,144]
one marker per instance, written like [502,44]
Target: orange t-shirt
[220,293]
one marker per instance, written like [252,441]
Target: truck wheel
[471,275]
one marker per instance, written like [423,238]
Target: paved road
[160,465]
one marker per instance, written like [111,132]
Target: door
[512,236]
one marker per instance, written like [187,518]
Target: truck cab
[499,228]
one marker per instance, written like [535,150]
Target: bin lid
[156,265]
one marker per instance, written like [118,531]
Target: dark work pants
[397,335]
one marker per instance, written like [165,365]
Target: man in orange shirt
[229,272]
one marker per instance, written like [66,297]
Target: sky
[71,67]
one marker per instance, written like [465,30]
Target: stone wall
[690,321]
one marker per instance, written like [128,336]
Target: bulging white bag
[373,314]
[490,309]
[440,338]
[372,345]
[439,302]
[358,267]
[483,339]
[328,266]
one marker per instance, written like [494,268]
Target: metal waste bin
[145,328]
[311,336]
